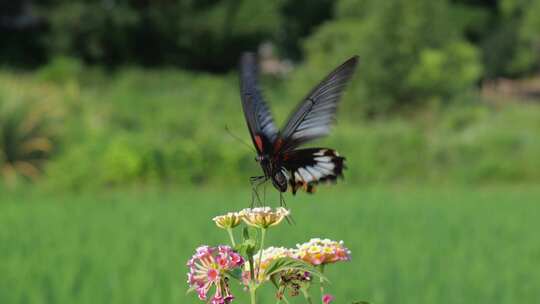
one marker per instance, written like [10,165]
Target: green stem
[231,236]
[321,281]
[251,266]
[285,299]
[307,296]
[253,294]
[263,234]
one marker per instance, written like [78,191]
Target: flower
[318,252]
[229,220]
[208,267]
[291,280]
[327,299]
[264,217]
[268,255]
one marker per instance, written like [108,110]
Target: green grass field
[444,245]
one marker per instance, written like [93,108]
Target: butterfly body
[272,169]
[278,152]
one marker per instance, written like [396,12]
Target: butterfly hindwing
[308,167]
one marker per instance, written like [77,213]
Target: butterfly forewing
[315,115]
[261,125]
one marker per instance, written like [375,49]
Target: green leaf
[191,289]
[246,248]
[236,274]
[287,263]
[274,280]
[248,245]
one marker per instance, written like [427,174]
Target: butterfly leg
[264,192]
[255,191]
[255,182]
[282,200]
[282,203]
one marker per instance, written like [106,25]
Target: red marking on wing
[258,142]
[286,156]
[278,144]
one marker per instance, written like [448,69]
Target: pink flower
[327,299]
[208,267]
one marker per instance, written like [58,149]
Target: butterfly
[278,152]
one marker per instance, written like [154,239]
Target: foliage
[139,127]
[300,19]
[204,35]
[61,70]
[507,32]
[209,35]
[410,53]
[527,50]
[445,72]
[27,134]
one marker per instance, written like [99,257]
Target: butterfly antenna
[238,138]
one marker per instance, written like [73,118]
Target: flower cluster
[208,267]
[263,217]
[325,251]
[212,267]
[229,220]
[266,257]
[289,279]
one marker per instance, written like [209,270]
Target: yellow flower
[229,220]
[263,217]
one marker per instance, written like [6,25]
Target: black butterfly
[277,151]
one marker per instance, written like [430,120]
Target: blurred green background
[114,154]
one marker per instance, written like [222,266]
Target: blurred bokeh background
[114,154]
